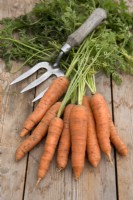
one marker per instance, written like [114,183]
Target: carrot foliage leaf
[38,36]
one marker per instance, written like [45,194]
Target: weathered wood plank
[59,185]
[14,8]
[94,183]
[123,113]
[14,109]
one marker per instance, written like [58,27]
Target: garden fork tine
[30,72]
[73,40]
[40,95]
[57,72]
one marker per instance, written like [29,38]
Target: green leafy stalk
[81,91]
[25,45]
[74,97]
[90,81]
[84,66]
[127,56]
[49,24]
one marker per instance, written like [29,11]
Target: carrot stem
[81,91]
[80,74]
[23,44]
[90,81]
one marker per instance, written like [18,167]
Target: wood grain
[87,27]
[94,183]
[53,184]
[14,108]
[14,8]
[101,181]
[123,113]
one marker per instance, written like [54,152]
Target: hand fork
[73,40]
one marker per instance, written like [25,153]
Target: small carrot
[55,91]
[78,131]
[116,140]
[100,112]
[93,149]
[54,132]
[64,143]
[39,132]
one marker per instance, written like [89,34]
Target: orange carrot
[78,131]
[64,143]
[54,132]
[39,132]
[93,149]
[116,140]
[55,91]
[100,111]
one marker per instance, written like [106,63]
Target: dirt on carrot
[55,91]
[100,112]
[117,141]
[93,149]
[54,132]
[64,143]
[39,132]
[78,130]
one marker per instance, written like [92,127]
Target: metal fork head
[50,71]
[57,72]
[31,71]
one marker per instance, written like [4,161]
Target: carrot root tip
[17,159]
[110,159]
[76,178]
[23,132]
[37,183]
[59,169]
[18,139]
[95,165]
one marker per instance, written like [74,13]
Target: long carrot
[64,143]
[116,140]
[78,130]
[54,132]
[100,111]
[39,132]
[93,149]
[55,91]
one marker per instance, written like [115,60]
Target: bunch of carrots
[79,128]
[73,124]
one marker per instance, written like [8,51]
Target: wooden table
[106,182]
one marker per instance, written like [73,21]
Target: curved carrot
[116,140]
[54,132]
[78,130]
[93,149]
[39,132]
[64,143]
[100,111]
[55,91]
